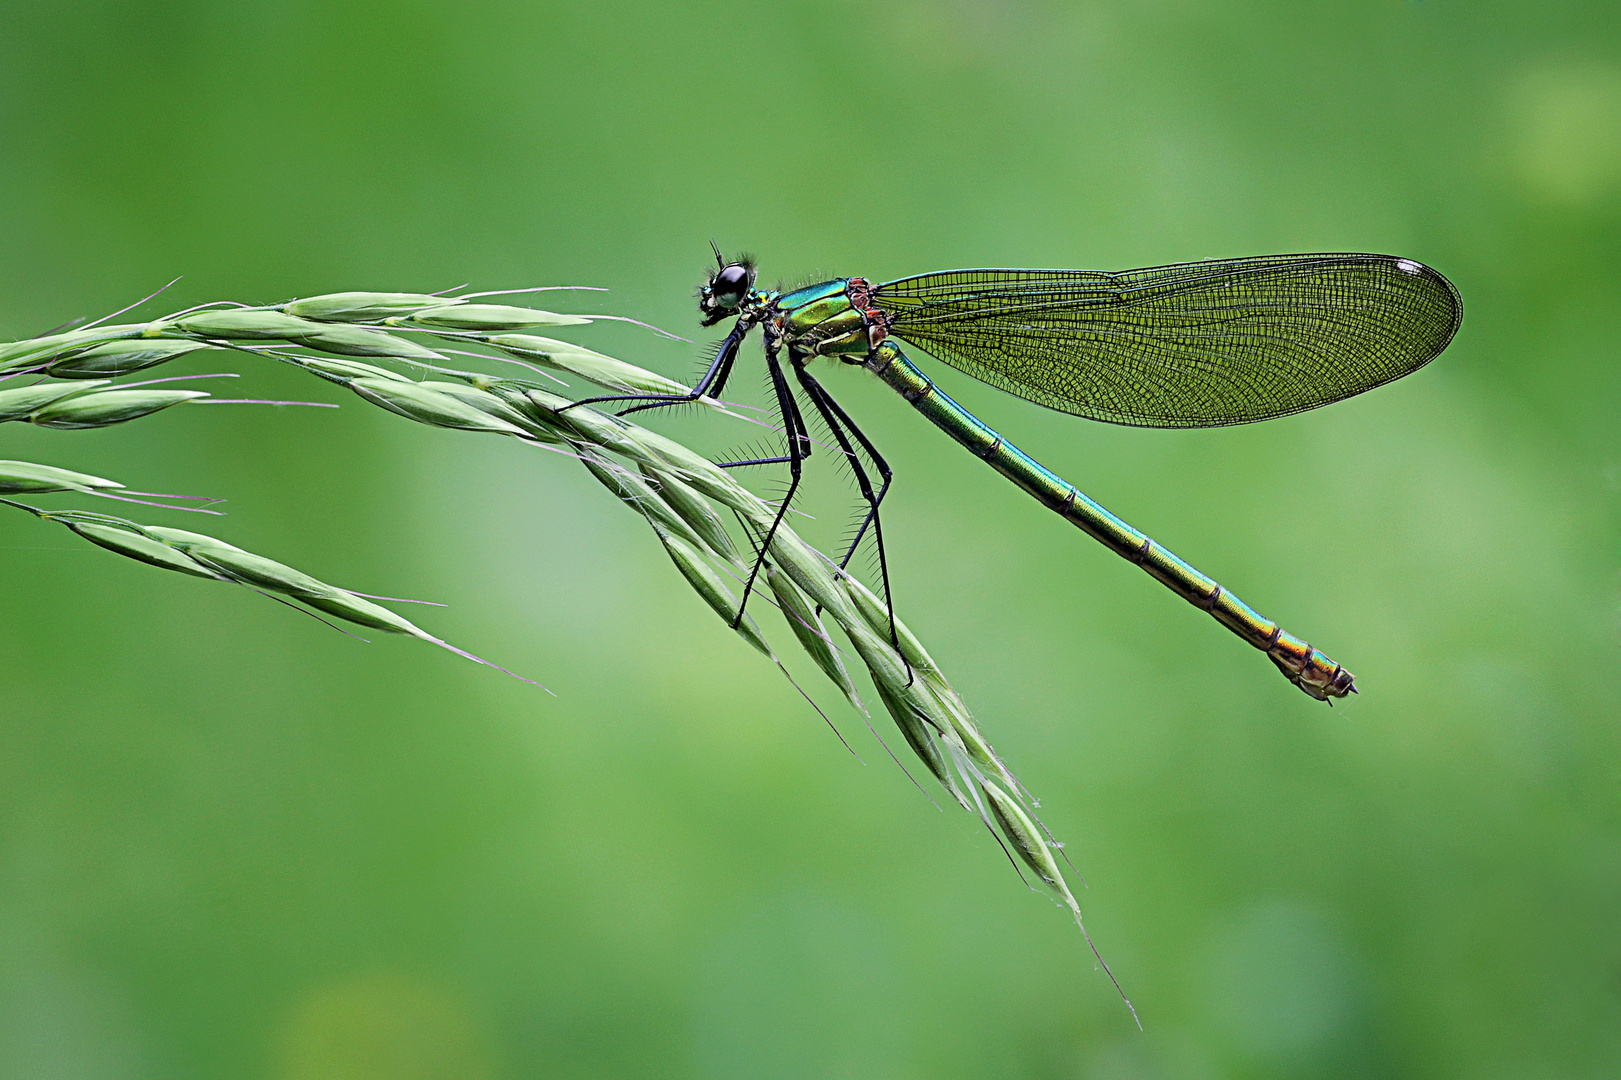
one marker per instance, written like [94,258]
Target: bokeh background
[234,843]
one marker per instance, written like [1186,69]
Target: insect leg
[799,448]
[839,422]
[712,383]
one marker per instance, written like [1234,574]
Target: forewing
[1191,345]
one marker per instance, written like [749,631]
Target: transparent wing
[1191,345]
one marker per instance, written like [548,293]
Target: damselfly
[1198,344]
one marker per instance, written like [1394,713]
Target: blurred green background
[236,844]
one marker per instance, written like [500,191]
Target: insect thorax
[832,318]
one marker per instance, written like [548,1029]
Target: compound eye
[731,285]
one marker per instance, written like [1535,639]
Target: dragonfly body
[840,319]
[1303,665]
[1188,345]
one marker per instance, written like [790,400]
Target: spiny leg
[712,382]
[752,461]
[838,422]
[799,448]
[774,459]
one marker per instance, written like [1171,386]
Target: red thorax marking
[860,291]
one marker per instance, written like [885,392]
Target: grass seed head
[877,615]
[488,317]
[922,739]
[812,634]
[708,585]
[244,567]
[698,472]
[651,449]
[604,371]
[883,662]
[978,748]
[357,341]
[247,568]
[186,540]
[136,543]
[695,511]
[362,612]
[486,402]
[1025,837]
[427,406]
[31,352]
[813,573]
[27,478]
[588,425]
[121,357]
[543,419]
[101,408]
[351,307]
[344,370]
[672,489]
[20,402]
[263,324]
[639,495]
[243,324]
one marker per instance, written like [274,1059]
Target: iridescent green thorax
[800,299]
[830,318]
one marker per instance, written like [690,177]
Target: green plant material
[516,396]
[921,738]
[487,317]
[27,478]
[613,375]
[123,537]
[344,370]
[356,341]
[930,713]
[130,540]
[713,590]
[353,307]
[962,724]
[246,568]
[493,405]
[241,324]
[693,469]
[588,425]
[21,402]
[1022,833]
[697,513]
[263,324]
[1028,844]
[428,406]
[638,494]
[812,634]
[877,615]
[204,556]
[680,541]
[121,357]
[102,408]
[33,352]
